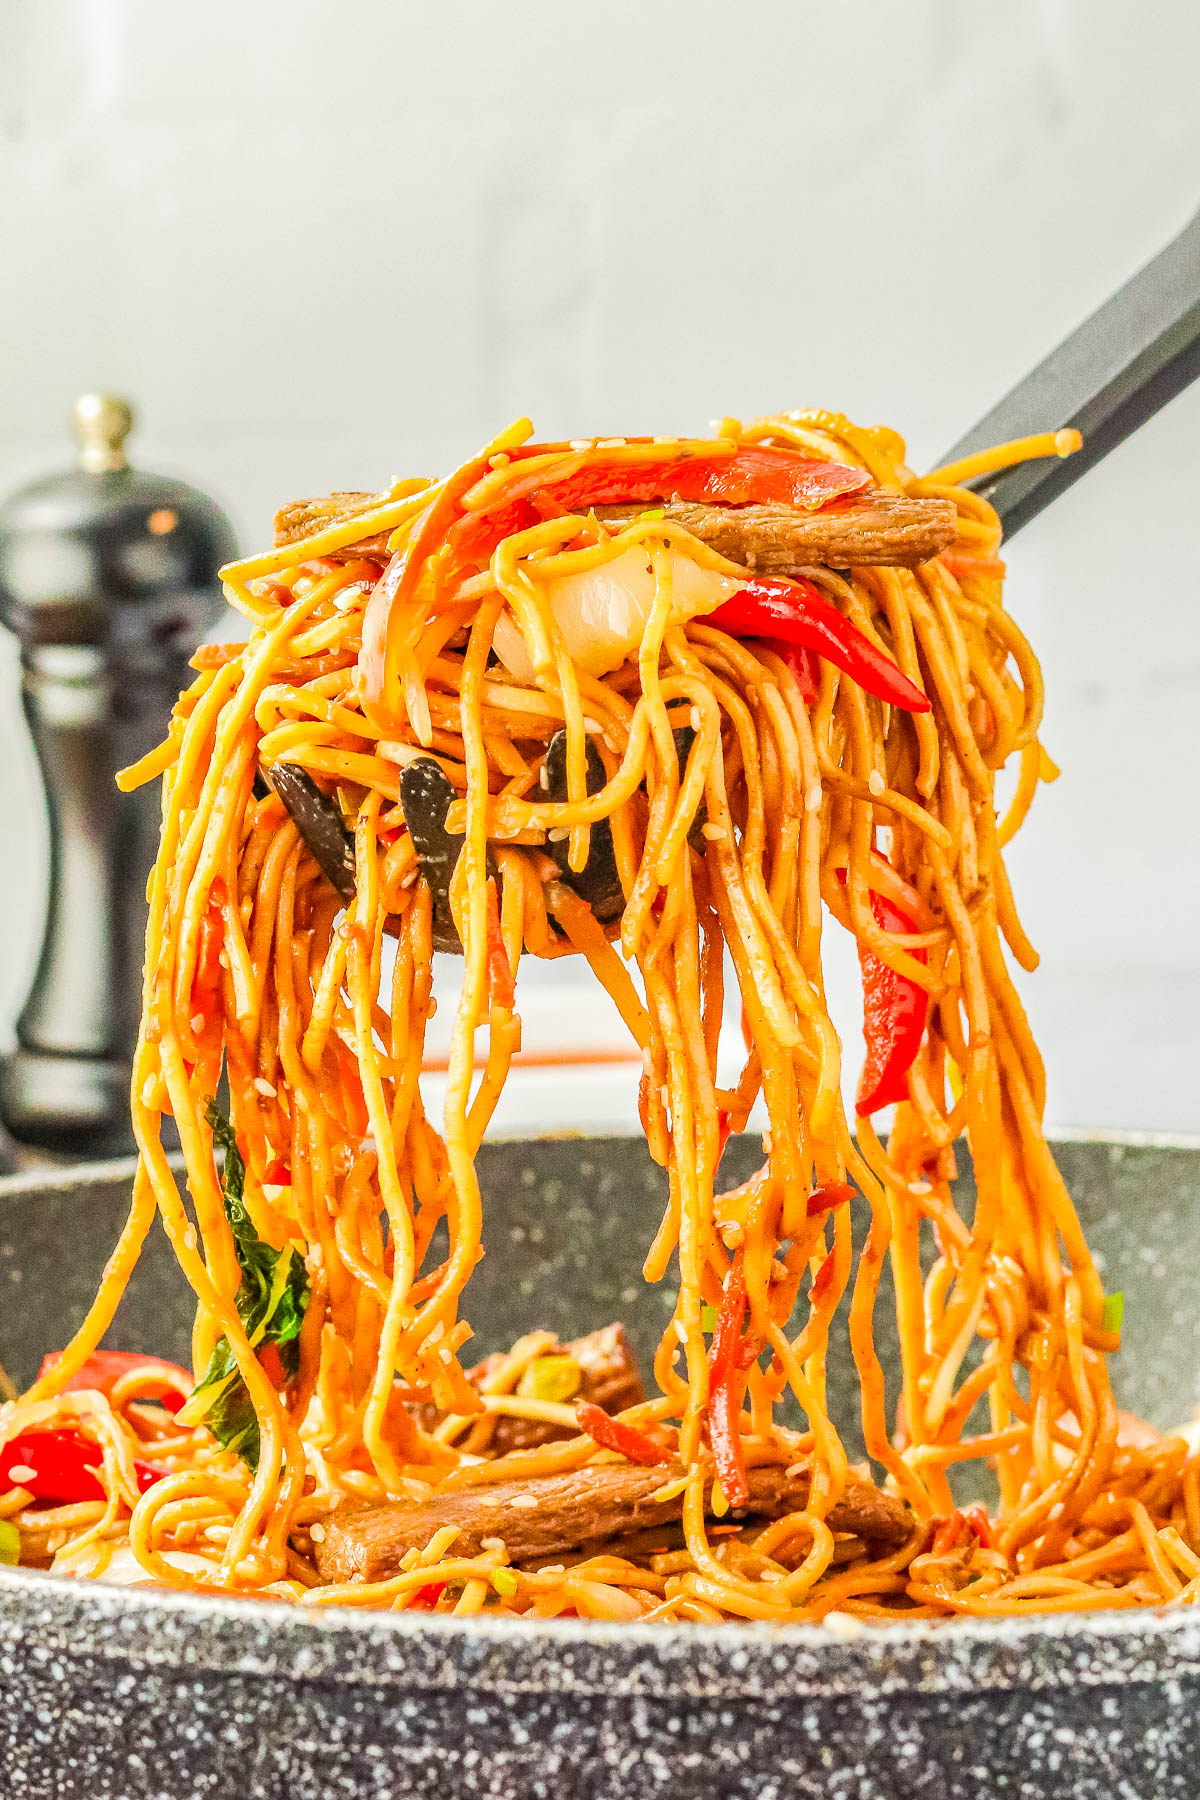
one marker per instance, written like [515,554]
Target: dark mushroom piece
[318,819]
[597,882]
[426,796]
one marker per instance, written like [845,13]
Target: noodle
[785,801]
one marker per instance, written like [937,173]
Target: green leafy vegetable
[1113,1312]
[271,1301]
[10,1543]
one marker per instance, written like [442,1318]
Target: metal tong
[1139,350]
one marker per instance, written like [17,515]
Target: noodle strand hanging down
[723,786]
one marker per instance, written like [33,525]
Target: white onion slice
[602,612]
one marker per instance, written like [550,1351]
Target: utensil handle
[1139,350]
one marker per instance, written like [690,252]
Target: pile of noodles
[785,812]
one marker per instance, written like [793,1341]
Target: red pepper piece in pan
[824,1199]
[426,1598]
[795,612]
[60,1467]
[612,1434]
[726,1366]
[104,1368]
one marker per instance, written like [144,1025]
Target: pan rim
[223,1634]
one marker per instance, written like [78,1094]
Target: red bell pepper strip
[500,973]
[612,1434]
[981,1525]
[60,1467]
[894,1013]
[104,1368]
[794,612]
[725,1365]
[756,474]
[206,982]
[426,1598]
[799,660]
[395,587]
[824,1199]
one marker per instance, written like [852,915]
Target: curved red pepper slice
[756,475]
[795,612]
[895,1010]
[612,1434]
[104,1368]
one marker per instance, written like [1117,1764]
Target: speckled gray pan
[110,1693]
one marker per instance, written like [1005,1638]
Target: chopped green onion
[708,1318]
[504,1582]
[1113,1312]
[10,1543]
[551,1378]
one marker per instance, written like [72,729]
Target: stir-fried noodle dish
[676,707]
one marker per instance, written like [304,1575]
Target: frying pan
[149,1695]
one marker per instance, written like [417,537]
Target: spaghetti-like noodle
[337,1380]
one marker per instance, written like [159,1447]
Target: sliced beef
[886,529]
[547,1515]
[777,540]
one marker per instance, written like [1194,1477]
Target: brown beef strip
[885,529]
[609,1377]
[550,1514]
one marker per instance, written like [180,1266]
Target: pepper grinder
[108,578]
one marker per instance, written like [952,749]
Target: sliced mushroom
[318,819]
[597,882]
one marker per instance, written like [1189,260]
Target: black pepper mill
[108,577]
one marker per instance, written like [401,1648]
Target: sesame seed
[844,1625]
[920,1187]
[491,1543]
[680,1330]
[490,1499]
[189,1238]
[716,834]
[876,783]
[812,798]
[197,1023]
[694,718]
[543,777]
[317,1533]
[21,1472]
[558,835]
[264,1087]
[525,1502]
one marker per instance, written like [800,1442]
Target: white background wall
[320,244]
